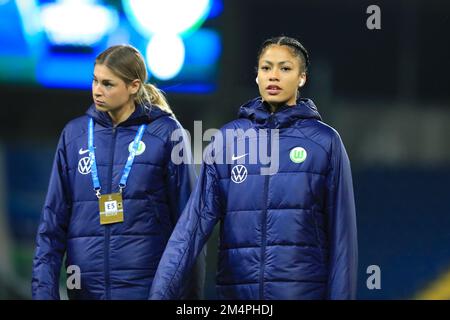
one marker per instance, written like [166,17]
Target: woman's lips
[273,90]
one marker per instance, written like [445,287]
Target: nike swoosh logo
[238,157]
[83,151]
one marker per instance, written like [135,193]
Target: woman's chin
[101,108]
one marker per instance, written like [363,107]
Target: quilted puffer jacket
[116,261]
[290,234]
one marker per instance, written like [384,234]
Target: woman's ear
[133,87]
[302,80]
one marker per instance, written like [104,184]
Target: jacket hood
[258,111]
[142,114]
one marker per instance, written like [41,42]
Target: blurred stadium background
[386,91]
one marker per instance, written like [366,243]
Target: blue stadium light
[204,47]
[216,9]
[52,71]
[77,22]
[165,55]
[53,43]
[166,16]
[29,13]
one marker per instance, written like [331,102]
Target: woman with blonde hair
[115,194]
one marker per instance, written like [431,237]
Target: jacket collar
[142,114]
[259,112]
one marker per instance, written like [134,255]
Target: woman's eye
[286,69]
[265,68]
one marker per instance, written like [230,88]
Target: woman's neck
[274,107]
[121,114]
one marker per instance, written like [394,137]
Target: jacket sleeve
[343,255]
[193,229]
[181,174]
[181,182]
[52,230]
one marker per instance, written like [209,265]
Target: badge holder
[110,207]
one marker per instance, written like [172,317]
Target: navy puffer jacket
[116,261]
[288,235]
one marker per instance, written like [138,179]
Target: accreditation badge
[111,208]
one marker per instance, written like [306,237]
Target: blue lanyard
[128,165]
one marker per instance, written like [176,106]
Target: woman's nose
[274,75]
[96,90]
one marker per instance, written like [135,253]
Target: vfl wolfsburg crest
[298,155]
[140,149]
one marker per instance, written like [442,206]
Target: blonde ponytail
[150,93]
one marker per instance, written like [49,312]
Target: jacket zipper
[108,227]
[264,225]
